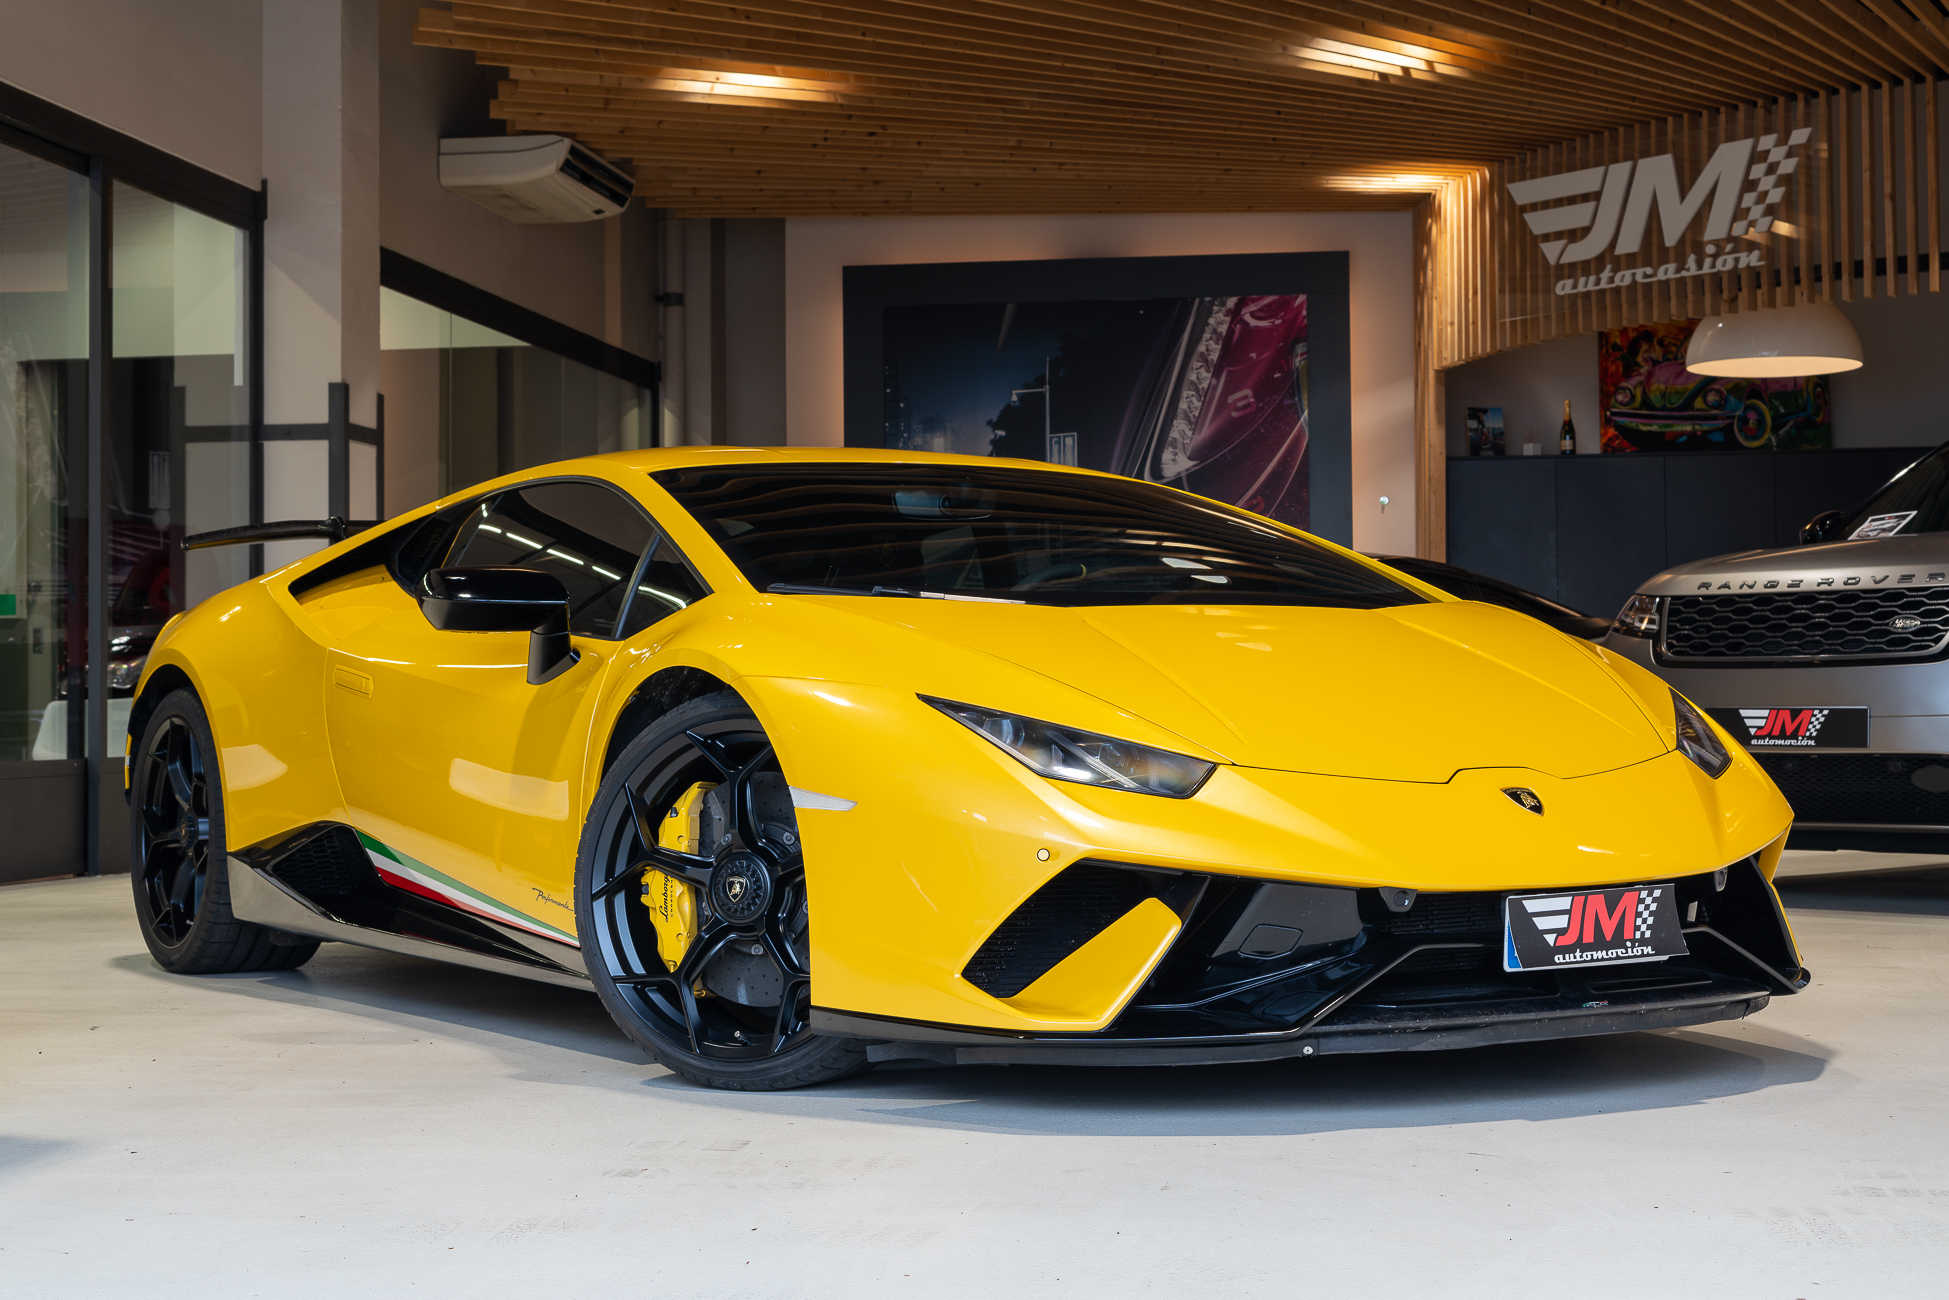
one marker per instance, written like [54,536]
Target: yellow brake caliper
[673,908]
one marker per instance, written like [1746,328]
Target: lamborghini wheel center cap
[741,888]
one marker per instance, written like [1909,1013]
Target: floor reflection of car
[1493,591]
[1669,406]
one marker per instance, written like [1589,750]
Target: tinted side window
[588,535]
[666,586]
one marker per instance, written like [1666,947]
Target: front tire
[732,1014]
[176,856]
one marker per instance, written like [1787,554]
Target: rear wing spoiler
[332,530]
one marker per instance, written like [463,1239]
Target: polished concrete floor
[378,1125]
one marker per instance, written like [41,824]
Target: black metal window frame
[419,281]
[104,155]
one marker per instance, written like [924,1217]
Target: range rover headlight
[1696,739]
[1065,754]
[1639,617]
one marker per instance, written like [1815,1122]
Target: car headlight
[1639,617]
[1696,739]
[1065,754]
[123,674]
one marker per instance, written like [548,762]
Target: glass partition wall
[177,452]
[127,419]
[43,439]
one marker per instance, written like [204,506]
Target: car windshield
[1914,501]
[1003,533]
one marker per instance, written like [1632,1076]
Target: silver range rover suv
[1829,661]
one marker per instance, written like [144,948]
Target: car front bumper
[1403,982]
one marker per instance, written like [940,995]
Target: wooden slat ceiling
[789,107]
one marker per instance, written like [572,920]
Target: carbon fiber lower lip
[1483,1031]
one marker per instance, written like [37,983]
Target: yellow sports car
[807,759]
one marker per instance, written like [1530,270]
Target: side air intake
[1078,904]
[329,865]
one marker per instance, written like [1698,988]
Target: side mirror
[505,600]
[1822,527]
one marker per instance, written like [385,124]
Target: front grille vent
[1825,624]
[1433,960]
[330,865]
[1438,914]
[1078,904]
[1886,789]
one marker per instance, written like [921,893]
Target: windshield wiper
[803,589]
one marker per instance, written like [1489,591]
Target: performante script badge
[1591,927]
[1525,798]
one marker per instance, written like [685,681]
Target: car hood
[1916,561]
[1414,693]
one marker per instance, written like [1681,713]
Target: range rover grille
[1902,623]
[1875,789]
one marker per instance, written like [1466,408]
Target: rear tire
[177,861]
[707,1038]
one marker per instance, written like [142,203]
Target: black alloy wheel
[734,1011]
[173,823]
[176,856]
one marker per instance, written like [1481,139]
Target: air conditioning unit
[534,178]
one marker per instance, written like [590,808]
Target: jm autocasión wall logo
[1736,192]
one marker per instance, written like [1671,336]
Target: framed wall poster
[1653,403]
[1227,376]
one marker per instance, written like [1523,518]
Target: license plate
[1591,927]
[1818,727]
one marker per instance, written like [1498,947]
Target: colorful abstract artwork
[1651,402]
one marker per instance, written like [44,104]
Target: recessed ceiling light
[1380,55]
[1390,182]
[727,83]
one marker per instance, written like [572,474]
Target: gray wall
[1900,397]
[1530,385]
[182,75]
[754,332]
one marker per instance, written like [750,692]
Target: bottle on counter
[1567,436]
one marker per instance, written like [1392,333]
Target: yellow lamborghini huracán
[808,759]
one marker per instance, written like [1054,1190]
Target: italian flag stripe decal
[415,877]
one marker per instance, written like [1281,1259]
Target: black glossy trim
[449,293]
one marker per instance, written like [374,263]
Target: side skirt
[258,897]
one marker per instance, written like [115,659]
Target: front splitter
[950,1047]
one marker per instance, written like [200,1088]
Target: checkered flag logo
[1813,727]
[1647,908]
[1769,176]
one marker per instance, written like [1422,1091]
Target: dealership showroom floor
[374,1118]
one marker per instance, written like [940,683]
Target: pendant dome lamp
[1775,342]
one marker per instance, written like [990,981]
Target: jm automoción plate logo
[1591,926]
[1789,727]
